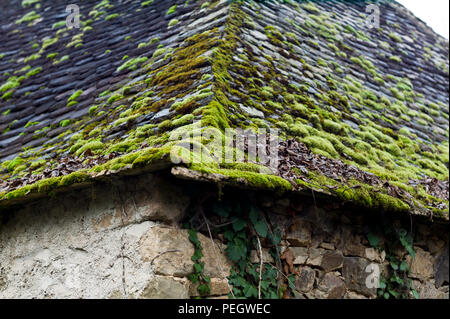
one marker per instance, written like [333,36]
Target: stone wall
[123,239]
[332,252]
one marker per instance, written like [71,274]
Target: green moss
[171,10]
[47,186]
[63,58]
[320,143]
[92,110]
[31,124]
[188,103]
[93,146]
[74,95]
[146,3]
[395,58]
[206,77]
[159,52]
[257,180]
[186,119]
[11,83]
[11,165]
[322,63]
[74,178]
[310,7]
[111,16]
[114,98]
[395,37]
[64,123]
[27,3]
[59,24]
[28,17]
[173,22]
[333,127]
[132,64]
[52,55]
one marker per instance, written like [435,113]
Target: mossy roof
[362,112]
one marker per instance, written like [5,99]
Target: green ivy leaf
[265,284]
[228,235]
[411,251]
[253,215]
[203,289]
[382,284]
[250,291]
[193,278]
[404,266]
[221,209]
[194,238]
[275,237]
[374,241]
[236,250]
[197,255]
[394,293]
[415,293]
[261,228]
[198,267]
[394,265]
[386,295]
[291,282]
[239,224]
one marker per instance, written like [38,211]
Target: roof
[362,113]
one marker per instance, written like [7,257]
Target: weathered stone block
[300,255]
[267,257]
[218,286]
[299,234]
[332,260]
[159,200]
[328,246]
[333,286]
[373,255]
[166,287]
[355,276]
[422,265]
[315,257]
[429,291]
[170,252]
[441,269]
[352,246]
[305,280]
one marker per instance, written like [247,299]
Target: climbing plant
[245,229]
[241,237]
[396,283]
[198,276]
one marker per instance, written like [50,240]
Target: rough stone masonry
[124,240]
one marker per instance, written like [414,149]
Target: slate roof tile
[361,108]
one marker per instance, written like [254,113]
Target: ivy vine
[198,276]
[396,283]
[244,228]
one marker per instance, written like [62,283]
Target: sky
[433,12]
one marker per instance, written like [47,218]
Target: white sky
[433,12]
